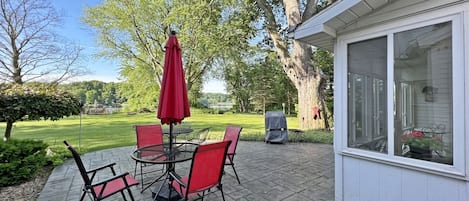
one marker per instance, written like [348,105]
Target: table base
[164,193]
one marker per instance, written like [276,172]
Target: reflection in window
[406,105]
[423,93]
[367,127]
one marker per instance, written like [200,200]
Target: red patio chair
[206,171]
[232,134]
[199,136]
[103,189]
[147,135]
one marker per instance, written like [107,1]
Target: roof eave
[321,29]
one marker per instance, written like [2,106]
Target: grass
[116,130]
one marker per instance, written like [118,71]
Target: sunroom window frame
[458,168]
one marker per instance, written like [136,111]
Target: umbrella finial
[173,32]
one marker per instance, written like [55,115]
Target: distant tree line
[211,99]
[91,92]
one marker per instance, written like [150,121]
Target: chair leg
[83,195]
[220,187]
[123,195]
[130,194]
[236,174]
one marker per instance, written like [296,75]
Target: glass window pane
[423,93]
[367,123]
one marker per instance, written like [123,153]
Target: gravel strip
[29,190]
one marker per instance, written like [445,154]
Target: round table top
[161,154]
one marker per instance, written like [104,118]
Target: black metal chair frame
[230,156]
[88,187]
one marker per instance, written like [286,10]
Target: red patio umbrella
[174,105]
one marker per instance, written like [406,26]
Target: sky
[106,70]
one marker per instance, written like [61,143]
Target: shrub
[310,136]
[318,136]
[56,155]
[20,160]
[253,137]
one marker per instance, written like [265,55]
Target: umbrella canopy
[174,105]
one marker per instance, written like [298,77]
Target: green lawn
[106,131]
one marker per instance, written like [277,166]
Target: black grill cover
[276,127]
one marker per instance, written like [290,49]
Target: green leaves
[19,102]
[19,160]
[135,32]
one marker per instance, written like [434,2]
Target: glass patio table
[178,131]
[162,154]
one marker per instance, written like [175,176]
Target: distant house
[401,76]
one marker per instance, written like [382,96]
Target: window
[423,67]
[418,63]
[367,95]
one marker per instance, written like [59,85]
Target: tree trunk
[325,114]
[6,137]
[308,98]
[297,59]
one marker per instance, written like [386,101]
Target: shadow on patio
[268,172]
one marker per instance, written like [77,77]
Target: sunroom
[401,97]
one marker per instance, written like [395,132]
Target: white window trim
[454,15]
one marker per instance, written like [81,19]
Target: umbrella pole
[170,137]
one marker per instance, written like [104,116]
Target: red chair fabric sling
[232,134]
[103,189]
[147,135]
[206,171]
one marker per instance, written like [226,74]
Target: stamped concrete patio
[268,172]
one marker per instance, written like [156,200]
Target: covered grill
[275,127]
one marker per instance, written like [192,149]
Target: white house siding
[361,179]
[369,181]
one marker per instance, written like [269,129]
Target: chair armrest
[95,170]
[100,168]
[111,179]
[177,178]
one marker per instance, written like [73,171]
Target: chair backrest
[79,163]
[149,135]
[203,134]
[232,134]
[207,166]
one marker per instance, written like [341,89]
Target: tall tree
[29,47]
[135,32]
[296,56]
